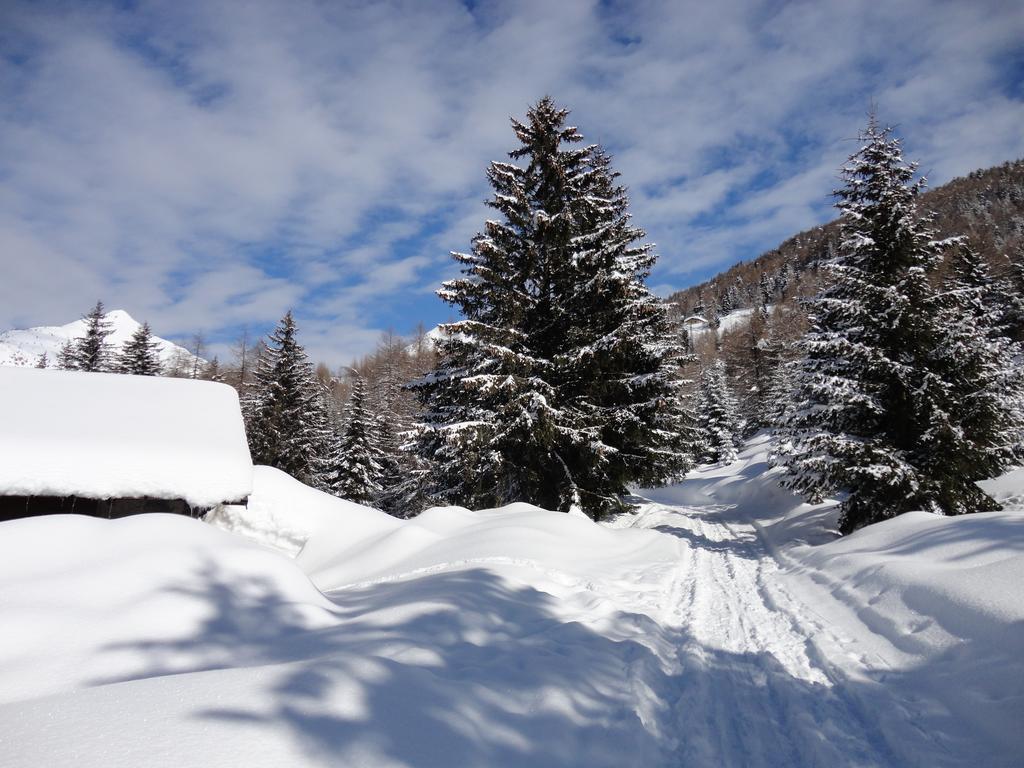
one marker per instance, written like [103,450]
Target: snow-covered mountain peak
[24,346]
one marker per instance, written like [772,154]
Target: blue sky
[206,165]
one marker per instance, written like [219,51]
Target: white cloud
[206,165]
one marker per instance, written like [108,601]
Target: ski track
[751,685]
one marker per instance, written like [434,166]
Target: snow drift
[723,624]
[161,641]
[283,513]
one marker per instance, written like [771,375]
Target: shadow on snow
[465,668]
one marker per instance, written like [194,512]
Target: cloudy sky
[206,165]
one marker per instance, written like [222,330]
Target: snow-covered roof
[104,435]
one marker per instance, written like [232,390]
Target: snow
[430,339]
[103,435]
[22,347]
[724,623]
[516,536]
[698,325]
[283,513]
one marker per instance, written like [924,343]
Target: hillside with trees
[752,316]
[986,206]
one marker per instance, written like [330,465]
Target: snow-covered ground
[723,624]
[24,346]
[697,326]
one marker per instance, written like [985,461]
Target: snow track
[752,685]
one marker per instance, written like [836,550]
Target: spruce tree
[1005,295]
[874,411]
[559,387]
[92,351]
[357,466]
[140,355]
[42,361]
[718,423]
[66,356]
[974,392]
[285,422]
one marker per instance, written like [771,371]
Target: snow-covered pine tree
[1005,294]
[140,355]
[974,392]
[284,408]
[766,290]
[873,395]
[407,473]
[355,470]
[42,361]
[66,356]
[559,386]
[718,423]
[92,351]
[753,353]
[622,361]
[773,399]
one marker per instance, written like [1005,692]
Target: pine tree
[357,466]
[140,355]
[874,393]
[559,387]
[975,393]
[92,351]
[212,371]
[1005,294]
[765,290]
[66,356]
[407,474]
[42,361]
[285,422]
[718,423]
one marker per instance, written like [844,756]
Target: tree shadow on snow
[465,668]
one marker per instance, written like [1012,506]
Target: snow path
[753,686]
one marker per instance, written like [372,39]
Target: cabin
[694,321]
[111,445]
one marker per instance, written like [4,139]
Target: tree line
[888,370]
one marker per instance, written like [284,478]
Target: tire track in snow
[750,689]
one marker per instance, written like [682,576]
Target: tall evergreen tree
[559,387]
[42,361]
[140,355]
[873,411]
[285,421]
[718,422]
[92,351]
[358,465]
[974,392]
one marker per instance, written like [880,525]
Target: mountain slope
[22,347]
[986,205]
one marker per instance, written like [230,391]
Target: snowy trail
[753,687]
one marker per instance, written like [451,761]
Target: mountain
[425,342]
[22,347]
[986,205]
